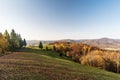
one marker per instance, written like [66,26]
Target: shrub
[93,60]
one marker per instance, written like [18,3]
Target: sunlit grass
[36,64]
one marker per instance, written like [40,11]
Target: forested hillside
[89,55]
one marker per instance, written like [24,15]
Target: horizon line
[72,39]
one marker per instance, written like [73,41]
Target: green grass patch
[36,64]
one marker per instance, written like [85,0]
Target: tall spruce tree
[24,41]
[20,41]
[12,40]
[40,45]
[15,40]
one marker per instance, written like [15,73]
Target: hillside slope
[34,64]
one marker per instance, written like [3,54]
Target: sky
[61,19]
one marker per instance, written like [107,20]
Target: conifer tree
[24,41]
[40,45]
[47,48]
[12,40]
[20,41]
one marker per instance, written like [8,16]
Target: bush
[93,60]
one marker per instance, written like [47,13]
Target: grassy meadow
[36,64]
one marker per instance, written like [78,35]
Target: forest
[89,55]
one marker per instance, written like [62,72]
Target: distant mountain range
[101,43]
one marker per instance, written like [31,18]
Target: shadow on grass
[49,53]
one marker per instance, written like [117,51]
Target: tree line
[11,41]
[89,55]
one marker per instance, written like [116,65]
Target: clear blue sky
[61,19]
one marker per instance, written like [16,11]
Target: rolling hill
[36,64]
[104,43]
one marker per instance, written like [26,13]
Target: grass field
[35,64]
